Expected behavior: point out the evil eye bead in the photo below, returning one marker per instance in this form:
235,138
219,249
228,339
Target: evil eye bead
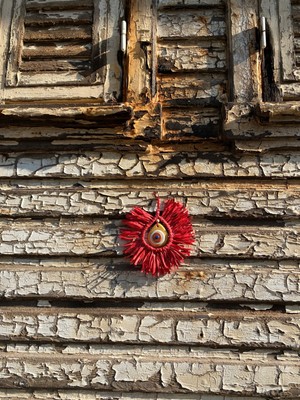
158,235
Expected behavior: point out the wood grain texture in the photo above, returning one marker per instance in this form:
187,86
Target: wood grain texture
135,369
181,58
101,395
228,281
77,322
193,3
206,200
195,23
114,325
158,164
96,236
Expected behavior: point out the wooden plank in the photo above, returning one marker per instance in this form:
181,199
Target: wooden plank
213,328
58,4
51,18
264,145
160,164
269,9
95,236
63,78
245,122
191,23
291,92
203,89
212,200
194,125
286,44
58,50
186,3
140,52
13,50
30,394
177,371
268,282
244,63
81,66
188,57
88,92
58,34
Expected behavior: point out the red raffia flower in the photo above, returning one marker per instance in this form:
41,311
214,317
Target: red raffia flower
158,242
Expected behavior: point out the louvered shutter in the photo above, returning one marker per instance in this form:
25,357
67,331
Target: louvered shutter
288,45
67,47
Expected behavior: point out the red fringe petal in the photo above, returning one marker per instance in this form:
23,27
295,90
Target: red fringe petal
158,261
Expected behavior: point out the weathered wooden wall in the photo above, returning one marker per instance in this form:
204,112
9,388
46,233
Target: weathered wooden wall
78,322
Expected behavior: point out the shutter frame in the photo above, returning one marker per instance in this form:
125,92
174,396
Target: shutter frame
102,81
290,72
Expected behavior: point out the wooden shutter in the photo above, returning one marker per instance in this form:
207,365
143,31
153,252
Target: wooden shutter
283,18
66,43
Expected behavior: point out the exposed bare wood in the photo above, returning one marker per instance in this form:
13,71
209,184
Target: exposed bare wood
244,74
59,50
58,4
192,89
82,66
197,124
50,18
58,34
140,32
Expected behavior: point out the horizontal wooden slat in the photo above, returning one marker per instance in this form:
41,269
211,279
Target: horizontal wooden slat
180,125
214,200
51,18
165,165
55,66
223,328
95,236
263,145
186,57
65,78
58,4
87,92
186,3
58,34
291,92
191,23
296,25
176,371
58,50
191,89
244,123
96,395
234,281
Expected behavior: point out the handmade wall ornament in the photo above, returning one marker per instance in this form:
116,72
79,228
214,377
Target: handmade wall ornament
160,242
